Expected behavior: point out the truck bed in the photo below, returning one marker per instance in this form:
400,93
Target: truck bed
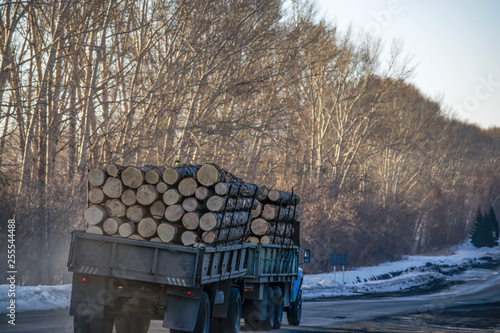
155,262
272,263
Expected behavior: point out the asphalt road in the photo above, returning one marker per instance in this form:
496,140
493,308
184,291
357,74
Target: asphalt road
470,307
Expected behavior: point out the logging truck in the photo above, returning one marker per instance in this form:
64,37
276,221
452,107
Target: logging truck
126,283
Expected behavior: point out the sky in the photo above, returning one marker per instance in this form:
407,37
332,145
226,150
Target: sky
455,45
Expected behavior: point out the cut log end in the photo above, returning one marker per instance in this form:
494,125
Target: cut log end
147,227
167,232
174,213
127,229
187,187
208,175
96,196
94,230
95,215
147,194
132,177
170,176
97,176
189,238
191,221
152,177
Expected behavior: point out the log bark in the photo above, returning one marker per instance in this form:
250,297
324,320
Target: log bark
203,193
147,227
94,230
210,221
136,213
261,227
95,214
136,237
115,208
217,203
97,176
111,225
96,196
270,213
113,187
286,198
129,197
189,237
187,187
172,197
167,232
173,175
192,204
211,174
268,239
115,170
132,177
236,190
147,194
228,234
161,187
174,213
157,209
153,175
127,229
191,221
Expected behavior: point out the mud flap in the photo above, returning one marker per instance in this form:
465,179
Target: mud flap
181,310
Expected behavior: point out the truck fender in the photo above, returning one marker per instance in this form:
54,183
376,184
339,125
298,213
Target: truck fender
181,310
296,285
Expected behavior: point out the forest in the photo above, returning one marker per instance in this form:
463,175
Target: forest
264,89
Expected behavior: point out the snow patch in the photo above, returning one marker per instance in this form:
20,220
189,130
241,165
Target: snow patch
36,298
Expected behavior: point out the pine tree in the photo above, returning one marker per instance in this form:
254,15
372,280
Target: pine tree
485,232
494,224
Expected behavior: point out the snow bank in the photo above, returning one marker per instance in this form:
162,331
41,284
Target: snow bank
411,272
31,298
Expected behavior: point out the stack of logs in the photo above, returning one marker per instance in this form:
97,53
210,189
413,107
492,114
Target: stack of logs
189,205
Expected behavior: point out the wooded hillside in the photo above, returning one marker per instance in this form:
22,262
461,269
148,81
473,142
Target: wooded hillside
271,94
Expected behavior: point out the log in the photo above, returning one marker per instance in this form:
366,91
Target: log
258,210
270,213
228,234
129,197
115,208
127,229
147,227
155,239
192,204
210,221
96,196
95,214
157,209
153,174
136,237
161,187
132,177
111,225
253,240
236,190
173,175
115,170
203,193
191,220
261,227
94,230
189,237
268,239
97,176
217,204
172,197
167,232
136,213
174,213
146,194
286,198
113,187
187,187
211,174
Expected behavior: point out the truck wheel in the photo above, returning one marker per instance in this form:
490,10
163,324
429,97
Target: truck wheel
262,309
203,320
132,324
294,313
85,325
278,307
231,324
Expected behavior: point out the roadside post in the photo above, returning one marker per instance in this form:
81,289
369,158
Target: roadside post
337,260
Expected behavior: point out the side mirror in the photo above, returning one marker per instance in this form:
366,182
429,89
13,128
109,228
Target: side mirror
307,255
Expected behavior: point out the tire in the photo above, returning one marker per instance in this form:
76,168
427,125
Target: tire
278,307
265,308
96,325
231,324
132,324
294,313
203,320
